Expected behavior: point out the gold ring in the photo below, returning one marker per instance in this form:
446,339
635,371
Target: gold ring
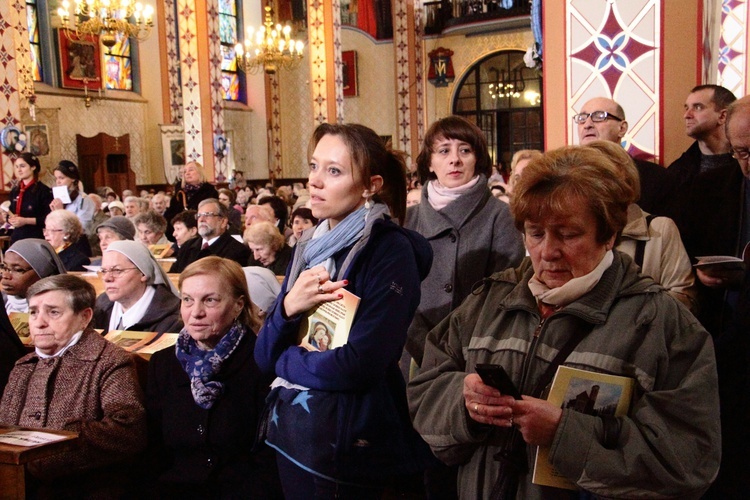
476,408
320,289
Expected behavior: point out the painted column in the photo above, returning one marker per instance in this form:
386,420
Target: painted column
407,44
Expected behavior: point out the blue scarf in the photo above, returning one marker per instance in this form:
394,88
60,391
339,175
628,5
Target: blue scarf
203,366
326,242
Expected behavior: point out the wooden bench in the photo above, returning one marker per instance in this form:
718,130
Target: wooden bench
14,458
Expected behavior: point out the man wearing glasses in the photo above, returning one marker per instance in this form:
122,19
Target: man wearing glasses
733,345
603,119
213,220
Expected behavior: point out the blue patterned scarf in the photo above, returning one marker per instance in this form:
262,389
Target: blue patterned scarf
326,242
203,366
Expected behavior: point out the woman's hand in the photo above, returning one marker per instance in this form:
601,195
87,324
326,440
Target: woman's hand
56,204
537,420
15,220
311,288
485,404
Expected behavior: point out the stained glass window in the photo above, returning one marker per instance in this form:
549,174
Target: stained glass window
35,46
118,69
230,79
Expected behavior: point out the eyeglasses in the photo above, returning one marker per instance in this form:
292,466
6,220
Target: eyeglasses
115,272
596,117
13,270
740,154
206,214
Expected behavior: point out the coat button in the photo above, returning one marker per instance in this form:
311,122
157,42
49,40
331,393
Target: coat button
201,429
453,238
209,463
448,288
38,415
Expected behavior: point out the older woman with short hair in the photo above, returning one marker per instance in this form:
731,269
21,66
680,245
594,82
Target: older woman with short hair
26,262
210,385
62,230
576,302
138,294
268,246
151,228
75,380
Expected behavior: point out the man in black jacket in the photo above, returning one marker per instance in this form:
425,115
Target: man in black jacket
604,119
213,221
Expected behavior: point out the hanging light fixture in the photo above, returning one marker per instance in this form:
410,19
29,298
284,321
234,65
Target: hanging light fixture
107,18
507,84
269,48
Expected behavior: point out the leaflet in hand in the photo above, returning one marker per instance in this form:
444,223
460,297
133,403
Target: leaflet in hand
327,326
61,193
585,392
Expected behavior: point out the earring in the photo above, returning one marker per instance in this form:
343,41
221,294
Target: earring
368,204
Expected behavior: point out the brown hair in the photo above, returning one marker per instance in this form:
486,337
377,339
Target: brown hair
552,184
370,156
32,161
458,128
624,163
232,278
79,293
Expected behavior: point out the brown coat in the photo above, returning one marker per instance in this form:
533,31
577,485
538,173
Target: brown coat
91,389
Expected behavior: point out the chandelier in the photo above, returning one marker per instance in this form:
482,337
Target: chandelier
510,84
107,18
269,48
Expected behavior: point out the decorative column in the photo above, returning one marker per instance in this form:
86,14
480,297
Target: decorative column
200,65
324,32
407,44
15,76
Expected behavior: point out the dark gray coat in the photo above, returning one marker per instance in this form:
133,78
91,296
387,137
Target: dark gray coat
471,238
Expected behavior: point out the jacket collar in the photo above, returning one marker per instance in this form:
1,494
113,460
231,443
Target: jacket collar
637,227
455,214
620,279
88,349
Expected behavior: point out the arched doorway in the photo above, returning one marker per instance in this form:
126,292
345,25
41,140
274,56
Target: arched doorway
503,97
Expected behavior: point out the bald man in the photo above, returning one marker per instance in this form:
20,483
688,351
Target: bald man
604,119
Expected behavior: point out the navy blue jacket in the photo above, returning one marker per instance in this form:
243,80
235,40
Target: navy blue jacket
357,399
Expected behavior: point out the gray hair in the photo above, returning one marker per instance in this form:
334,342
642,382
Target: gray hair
71,225
79,293
223,211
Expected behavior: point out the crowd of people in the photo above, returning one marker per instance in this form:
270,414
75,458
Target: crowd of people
580,257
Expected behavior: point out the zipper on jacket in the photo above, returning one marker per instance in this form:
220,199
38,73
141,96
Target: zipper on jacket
530,355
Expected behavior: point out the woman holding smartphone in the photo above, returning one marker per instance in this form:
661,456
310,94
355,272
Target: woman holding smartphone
338,419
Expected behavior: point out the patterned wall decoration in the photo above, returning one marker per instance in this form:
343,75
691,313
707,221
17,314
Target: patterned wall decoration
613,51
221,163
173,62
14,57
338,63
275,169
732,60
317,49
191,89
407,44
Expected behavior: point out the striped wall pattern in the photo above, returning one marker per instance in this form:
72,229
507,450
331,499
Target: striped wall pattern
732,64
191,90
173,63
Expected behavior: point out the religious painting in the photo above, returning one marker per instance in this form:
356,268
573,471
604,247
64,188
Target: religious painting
173,147
349,73
80,60
38,139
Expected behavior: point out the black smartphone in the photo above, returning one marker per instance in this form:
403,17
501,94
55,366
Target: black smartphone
496,376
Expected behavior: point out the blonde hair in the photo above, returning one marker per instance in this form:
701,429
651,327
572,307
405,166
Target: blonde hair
233,280
264,233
